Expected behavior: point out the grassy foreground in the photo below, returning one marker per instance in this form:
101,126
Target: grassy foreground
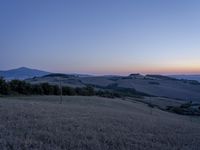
92,123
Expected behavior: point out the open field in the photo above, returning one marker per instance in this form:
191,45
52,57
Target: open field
92,123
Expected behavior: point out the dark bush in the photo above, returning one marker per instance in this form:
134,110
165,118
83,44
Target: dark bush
186,105
178,110
85,91
154,83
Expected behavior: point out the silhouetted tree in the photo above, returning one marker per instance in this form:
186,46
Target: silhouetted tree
4,88
68,91
56,90
37,89
15,87
47,89
20,87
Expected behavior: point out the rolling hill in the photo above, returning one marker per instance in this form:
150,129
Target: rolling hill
153,85
187,77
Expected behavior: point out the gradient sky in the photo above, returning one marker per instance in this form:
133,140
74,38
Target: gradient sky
101,36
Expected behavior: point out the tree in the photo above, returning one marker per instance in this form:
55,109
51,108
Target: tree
4,88
47,89
20,87
85,91
89,90
37,89
68,91
56,90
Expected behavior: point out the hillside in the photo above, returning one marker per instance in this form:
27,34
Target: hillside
154,85
187,77
89,123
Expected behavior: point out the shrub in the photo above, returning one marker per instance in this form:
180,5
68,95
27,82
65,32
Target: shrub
154,83
186,105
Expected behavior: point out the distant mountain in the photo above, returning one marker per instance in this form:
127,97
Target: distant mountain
22,73
187,77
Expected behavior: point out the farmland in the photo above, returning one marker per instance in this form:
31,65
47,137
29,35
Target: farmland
88,123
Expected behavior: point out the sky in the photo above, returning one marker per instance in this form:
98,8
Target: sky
101,36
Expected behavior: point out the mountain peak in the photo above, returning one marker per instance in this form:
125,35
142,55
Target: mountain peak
23,68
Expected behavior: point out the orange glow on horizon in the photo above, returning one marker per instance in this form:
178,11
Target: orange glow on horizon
149,70
173,68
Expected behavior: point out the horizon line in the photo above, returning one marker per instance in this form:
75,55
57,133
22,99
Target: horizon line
108,74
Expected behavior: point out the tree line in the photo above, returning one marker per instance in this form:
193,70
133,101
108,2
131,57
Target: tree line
18,87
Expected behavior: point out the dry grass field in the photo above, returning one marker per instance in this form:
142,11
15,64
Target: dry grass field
92,123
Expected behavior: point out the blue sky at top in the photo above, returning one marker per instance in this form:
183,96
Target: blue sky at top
101,36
